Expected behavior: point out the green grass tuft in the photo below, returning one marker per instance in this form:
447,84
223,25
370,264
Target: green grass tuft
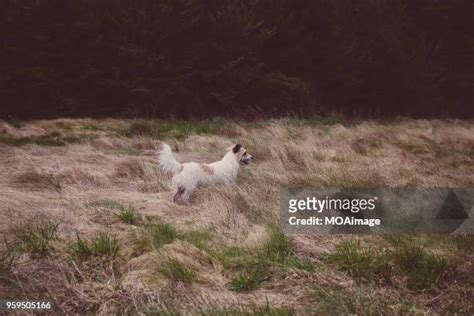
81,249
102,245
36,238
423,270
106,203
160,234
198,238
463,243
243,310
335,301
64,125
255,265
8,256
339,301
127,214
178,272
279,250
175,129
333,119
249,310
51,139
163,312
94,127
105,245
359,261
249,280
153,236
236,258
6,263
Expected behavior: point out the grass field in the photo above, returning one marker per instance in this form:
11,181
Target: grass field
86,218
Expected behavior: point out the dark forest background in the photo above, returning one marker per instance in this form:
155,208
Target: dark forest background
194,59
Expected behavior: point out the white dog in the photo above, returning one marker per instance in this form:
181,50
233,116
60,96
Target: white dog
187,176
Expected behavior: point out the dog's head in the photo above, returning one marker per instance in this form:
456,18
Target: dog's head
241,154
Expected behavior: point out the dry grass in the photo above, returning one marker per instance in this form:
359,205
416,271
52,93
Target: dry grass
106,238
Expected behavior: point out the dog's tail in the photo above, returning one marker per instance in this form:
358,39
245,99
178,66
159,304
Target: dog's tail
166,160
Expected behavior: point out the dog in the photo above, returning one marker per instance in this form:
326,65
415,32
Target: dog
188,176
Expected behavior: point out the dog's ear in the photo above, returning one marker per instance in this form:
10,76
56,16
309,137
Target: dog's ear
236,148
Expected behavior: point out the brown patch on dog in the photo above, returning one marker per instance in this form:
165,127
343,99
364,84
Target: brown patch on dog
240,153
207,170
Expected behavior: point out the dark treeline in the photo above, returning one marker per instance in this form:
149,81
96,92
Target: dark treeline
195,59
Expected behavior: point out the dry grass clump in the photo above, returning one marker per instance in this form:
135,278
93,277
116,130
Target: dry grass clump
145,143
293,158
122,247
239,201
181,262
103,143
126,213
7,129
34,179
143,174
83,177
130,168
365,146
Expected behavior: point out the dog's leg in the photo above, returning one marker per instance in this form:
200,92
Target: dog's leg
187,197
176,197
178,194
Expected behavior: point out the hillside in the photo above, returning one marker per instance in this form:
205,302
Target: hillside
87,219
